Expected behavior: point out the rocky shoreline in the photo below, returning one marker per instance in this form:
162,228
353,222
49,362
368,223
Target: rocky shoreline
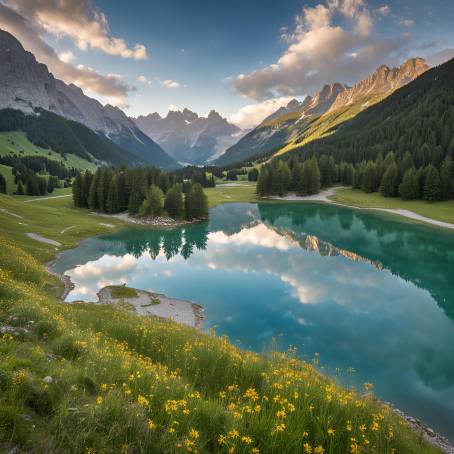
157,221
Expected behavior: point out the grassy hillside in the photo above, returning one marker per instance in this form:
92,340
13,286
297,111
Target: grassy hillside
89,378
16,143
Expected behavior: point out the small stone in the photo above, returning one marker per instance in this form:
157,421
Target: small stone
48,379
26,418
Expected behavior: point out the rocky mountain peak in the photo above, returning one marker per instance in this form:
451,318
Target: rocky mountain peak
383,80
189,115
293,104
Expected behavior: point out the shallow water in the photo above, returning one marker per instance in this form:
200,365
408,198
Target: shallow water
365,290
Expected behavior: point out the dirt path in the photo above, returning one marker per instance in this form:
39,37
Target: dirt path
43,239
323,196
47,198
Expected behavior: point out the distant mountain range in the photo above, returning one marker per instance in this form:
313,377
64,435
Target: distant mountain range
300,122
189,138
27,85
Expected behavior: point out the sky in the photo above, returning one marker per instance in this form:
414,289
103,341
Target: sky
242,58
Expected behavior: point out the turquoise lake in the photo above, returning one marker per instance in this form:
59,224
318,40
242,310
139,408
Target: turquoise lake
363,289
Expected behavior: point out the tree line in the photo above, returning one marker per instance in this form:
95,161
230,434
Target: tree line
389,175
145,192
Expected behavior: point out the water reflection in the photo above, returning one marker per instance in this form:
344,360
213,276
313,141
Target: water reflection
360,288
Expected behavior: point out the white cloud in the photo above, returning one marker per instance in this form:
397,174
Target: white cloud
79,20
253,114
319,50
169,83
31,35
383,10
407,23
142,79
67,56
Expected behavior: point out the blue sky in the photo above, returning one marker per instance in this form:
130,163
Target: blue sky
242,58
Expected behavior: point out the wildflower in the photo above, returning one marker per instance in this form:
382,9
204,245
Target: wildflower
354,448
246,440
349,426
278,428
305,434
99,400
194,434
233,434
281,414
103,387
319,450
142,401
307,448
251,393
151,424
255,450
222,440
291,407
331,431
362,427
375,426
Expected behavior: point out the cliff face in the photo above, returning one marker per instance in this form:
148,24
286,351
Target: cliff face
382,81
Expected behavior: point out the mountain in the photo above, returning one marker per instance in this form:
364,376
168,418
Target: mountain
418,118
383,80
295,125
26,85
280,127
189,138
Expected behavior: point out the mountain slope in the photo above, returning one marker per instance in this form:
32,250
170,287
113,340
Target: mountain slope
280,129
26,85
188,137
50,131
319,115
418,117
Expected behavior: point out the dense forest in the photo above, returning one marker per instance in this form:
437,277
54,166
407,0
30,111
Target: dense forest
402,146
48,130
388,175
145,192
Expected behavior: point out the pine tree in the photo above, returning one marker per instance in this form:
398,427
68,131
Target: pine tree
446,178
298,178
263,182
87,178
77,191
406,163
2,184
282,178
136,194
174,203
122,191
196,203
112,196
153,204
103,188
390,181
409,188
369,183
93,192
312,176
432,186
20,188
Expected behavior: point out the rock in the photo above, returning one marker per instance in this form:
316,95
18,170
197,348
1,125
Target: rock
48,379
26,418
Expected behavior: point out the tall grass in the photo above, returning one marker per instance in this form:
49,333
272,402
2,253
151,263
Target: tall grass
86,378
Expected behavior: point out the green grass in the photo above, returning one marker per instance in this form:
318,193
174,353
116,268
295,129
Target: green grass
121,383
121,291
440,211
8,174
17,143
221,194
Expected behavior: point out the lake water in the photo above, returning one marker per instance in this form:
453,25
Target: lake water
364,290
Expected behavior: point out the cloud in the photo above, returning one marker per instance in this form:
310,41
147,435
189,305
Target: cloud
407,23
320,49
80,21
253,114
383,10
169,83
67,56
142,79
31,35
440,57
